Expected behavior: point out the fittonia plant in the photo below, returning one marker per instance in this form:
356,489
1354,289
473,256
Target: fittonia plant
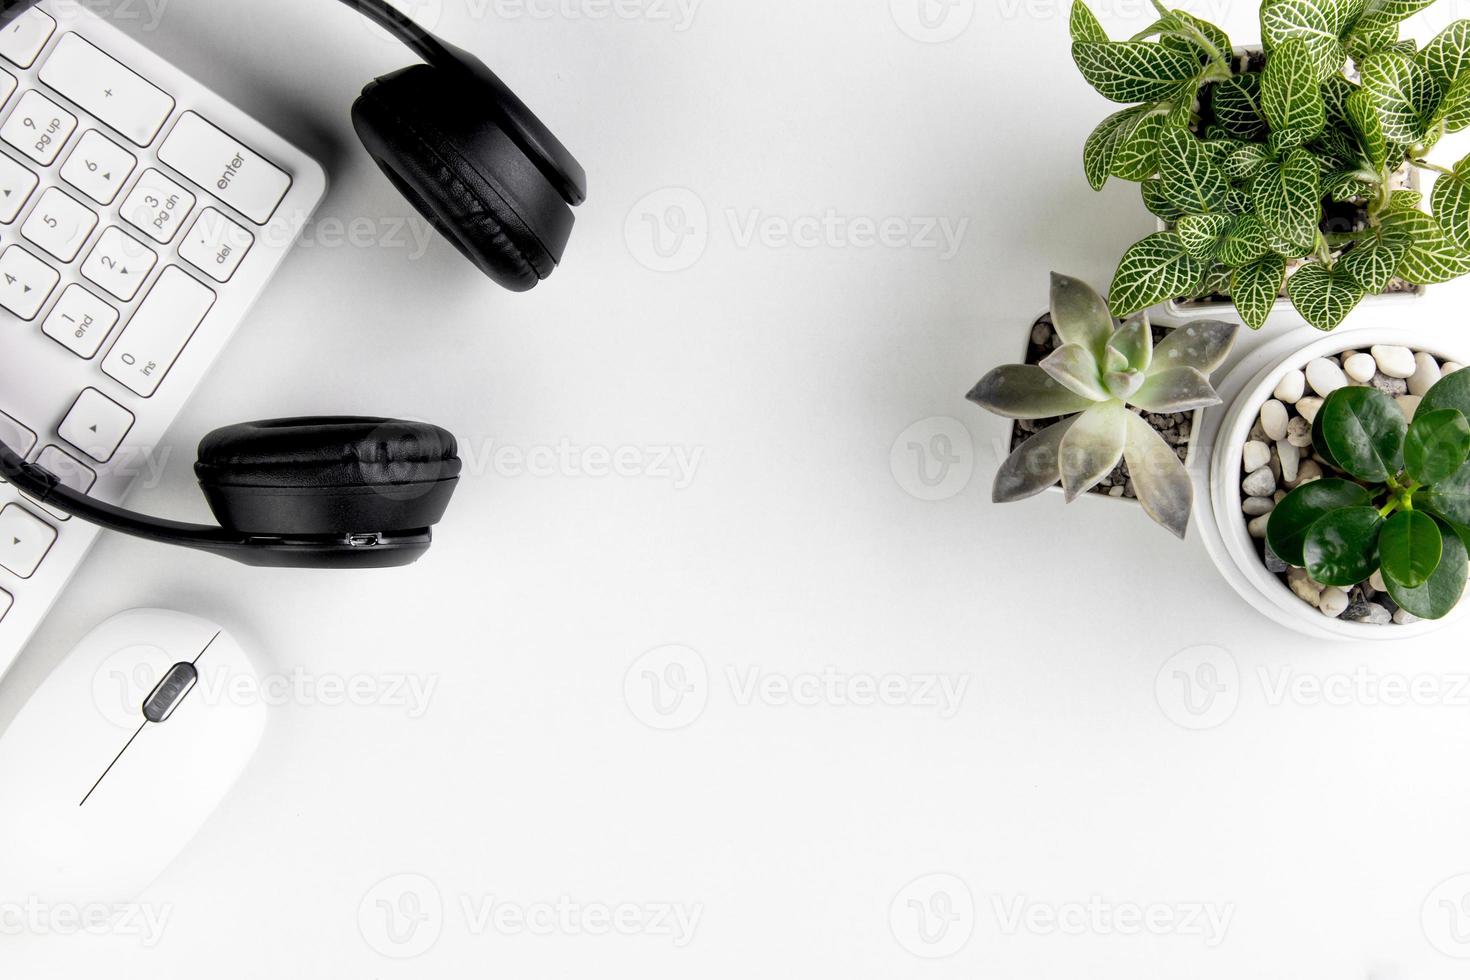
1101,373
1246,165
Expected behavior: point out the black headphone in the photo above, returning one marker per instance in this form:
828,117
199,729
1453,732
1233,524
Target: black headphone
359,492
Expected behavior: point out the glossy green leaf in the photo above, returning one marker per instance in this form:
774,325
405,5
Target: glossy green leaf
1255,288
1364,431
1437,445
1341,548
1286,531
1156,269
1134,71
1409,548
1449,498
1324,297
1439,596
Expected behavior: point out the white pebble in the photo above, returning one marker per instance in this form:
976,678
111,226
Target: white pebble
1405,618
1292,387
1256,506
1334,602
1299,432
1408,404
1257,527
1261,483
1376,581
1256,455
1396,362
1309,470
1450,367
1291,458
1301,583
1274,419
1360,367
1426,374
1325,377
1309,407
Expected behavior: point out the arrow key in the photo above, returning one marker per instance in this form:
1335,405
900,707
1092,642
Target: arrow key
98,167
16,185
96,425
24,540
25,282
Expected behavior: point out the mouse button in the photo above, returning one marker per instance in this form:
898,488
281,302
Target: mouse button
170,692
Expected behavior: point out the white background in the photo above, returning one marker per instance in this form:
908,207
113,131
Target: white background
798,833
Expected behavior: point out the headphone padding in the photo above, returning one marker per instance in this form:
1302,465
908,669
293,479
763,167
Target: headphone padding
448,154
313,476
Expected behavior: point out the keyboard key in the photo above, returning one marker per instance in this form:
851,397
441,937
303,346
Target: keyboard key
16,185
25,282
6,601
96,425
7,85
23,40
156,336
59,224
20,439
225,167
71,471
38,127
158,206
103,86
80,322
24,540
216,245
98,167
119,263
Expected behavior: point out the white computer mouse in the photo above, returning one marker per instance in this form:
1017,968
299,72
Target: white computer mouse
122,754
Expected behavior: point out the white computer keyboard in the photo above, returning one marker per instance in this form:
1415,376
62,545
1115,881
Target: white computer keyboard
140,217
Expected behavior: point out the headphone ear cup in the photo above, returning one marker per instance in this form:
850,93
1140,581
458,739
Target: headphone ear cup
328,476
449,154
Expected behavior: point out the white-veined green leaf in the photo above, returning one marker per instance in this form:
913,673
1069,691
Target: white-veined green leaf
1320,24
1086,28
1157,204
1372,263
1202,233
1102,145
1255,288
1403,94
1155,269
1245,241
1236,104
1451,202
1288,198
1388,12
1137,154
1245,162
1335,93
1134,71
1291,95
1324,297
1191,179
1431,257
1369,127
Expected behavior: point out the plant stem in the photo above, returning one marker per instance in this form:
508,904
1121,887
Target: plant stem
1426,165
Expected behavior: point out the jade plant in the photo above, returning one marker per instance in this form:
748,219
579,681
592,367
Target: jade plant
1095,383
1401,504
1297,160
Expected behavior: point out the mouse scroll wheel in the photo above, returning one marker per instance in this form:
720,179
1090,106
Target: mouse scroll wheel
170,692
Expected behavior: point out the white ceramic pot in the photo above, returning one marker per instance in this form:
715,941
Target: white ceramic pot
1218,495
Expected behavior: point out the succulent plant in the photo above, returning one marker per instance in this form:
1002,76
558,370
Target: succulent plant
1300,161
1101,373
1401,505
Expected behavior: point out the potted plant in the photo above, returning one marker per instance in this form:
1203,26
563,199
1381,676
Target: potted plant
1340,485
1287,171
1105,405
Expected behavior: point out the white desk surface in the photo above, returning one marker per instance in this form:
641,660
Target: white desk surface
1075,828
